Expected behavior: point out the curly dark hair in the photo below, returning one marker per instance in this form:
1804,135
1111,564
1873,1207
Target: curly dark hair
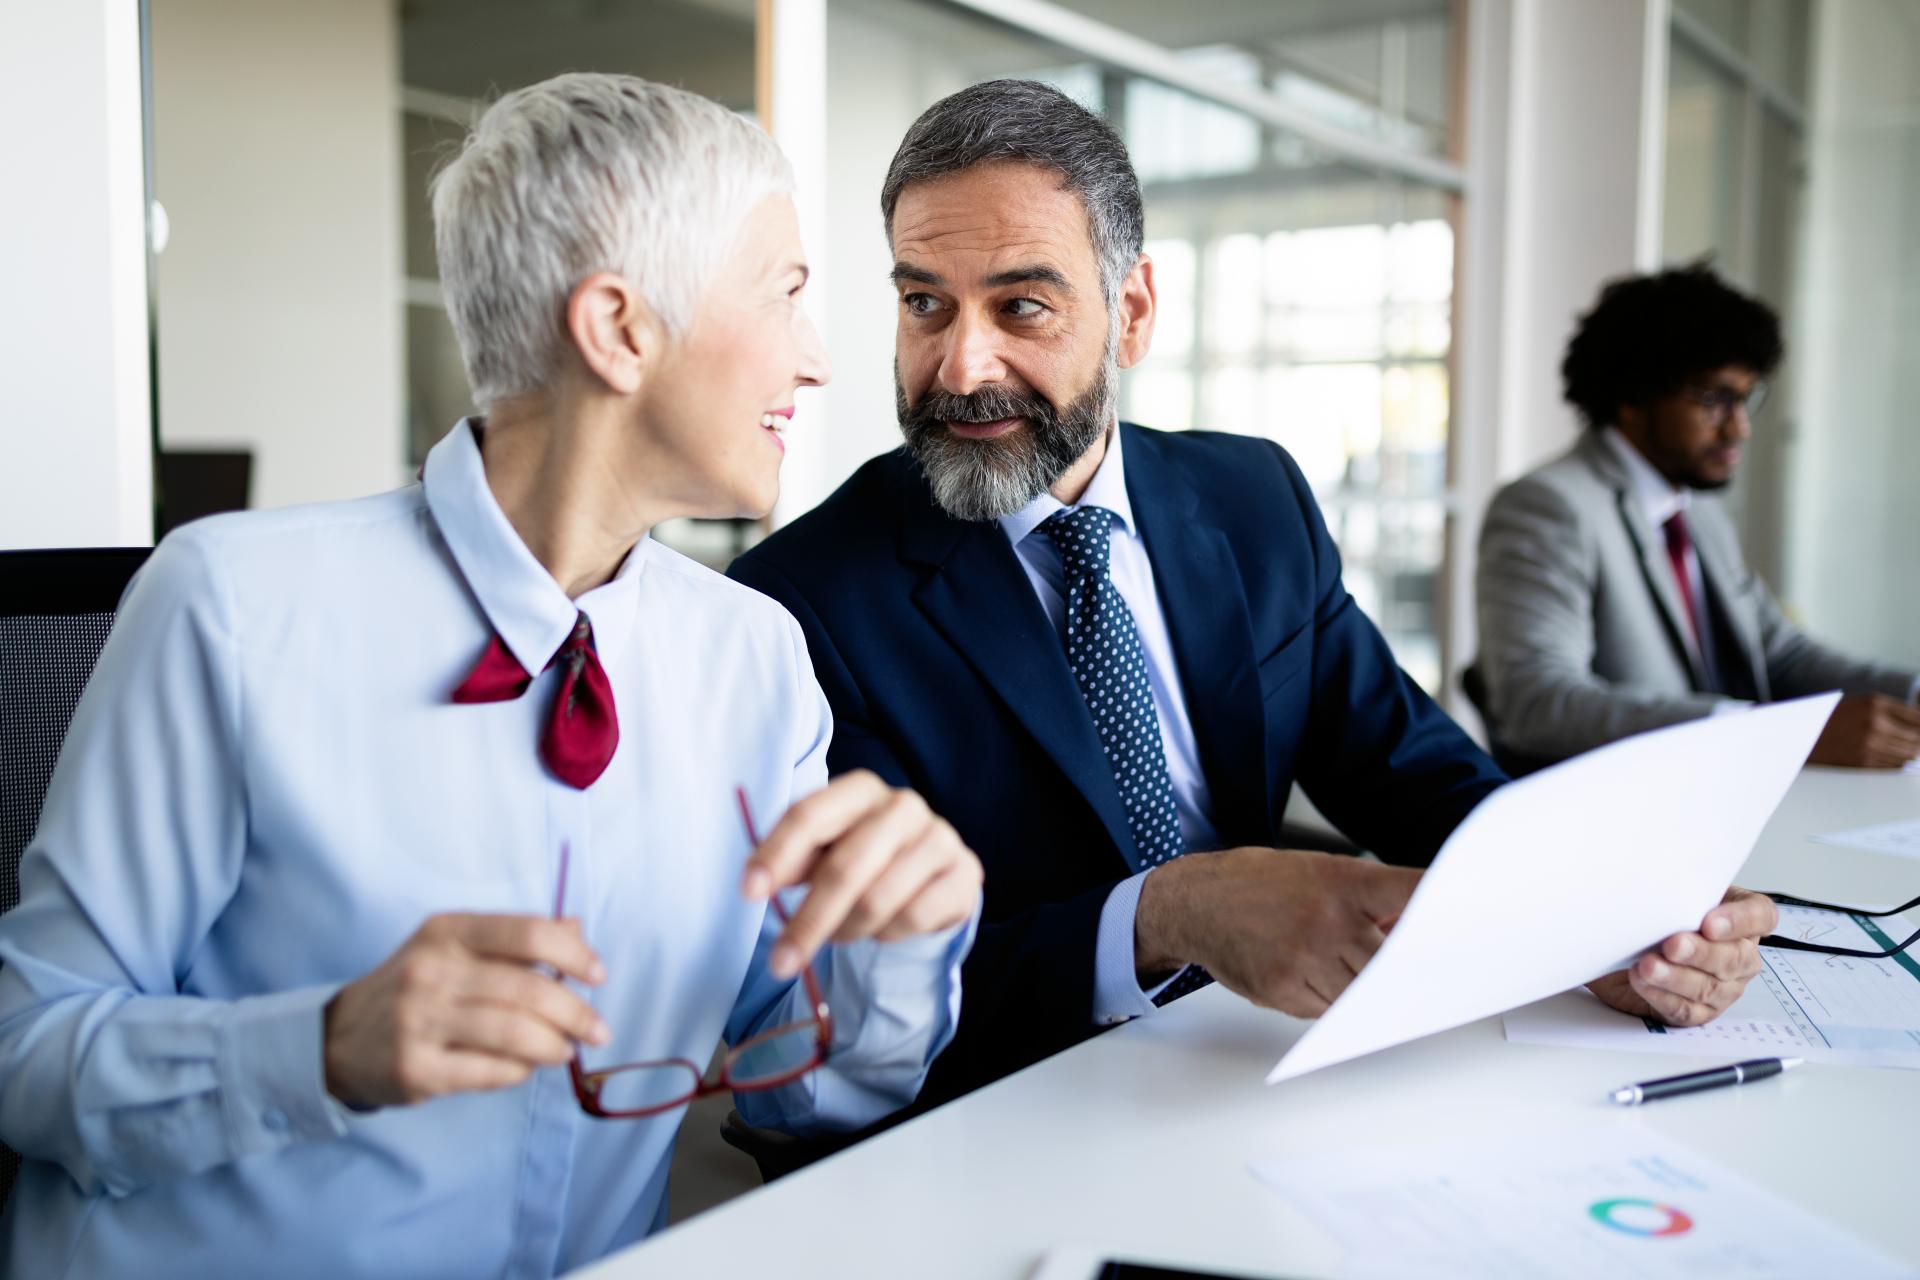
1648,336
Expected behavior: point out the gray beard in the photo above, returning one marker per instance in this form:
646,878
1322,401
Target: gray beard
977,480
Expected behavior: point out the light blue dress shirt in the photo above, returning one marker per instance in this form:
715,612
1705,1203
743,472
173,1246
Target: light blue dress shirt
266,790
1117,994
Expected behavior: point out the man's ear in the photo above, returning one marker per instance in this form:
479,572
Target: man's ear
1139,304
1630,418
614,332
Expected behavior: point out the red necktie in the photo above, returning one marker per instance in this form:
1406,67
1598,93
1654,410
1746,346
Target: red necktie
1679,542
582,731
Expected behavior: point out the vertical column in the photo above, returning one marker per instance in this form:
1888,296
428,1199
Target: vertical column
1565,107
76,437
1853,520
793,36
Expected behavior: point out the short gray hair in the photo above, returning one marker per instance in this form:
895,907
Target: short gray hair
1027,121
579,174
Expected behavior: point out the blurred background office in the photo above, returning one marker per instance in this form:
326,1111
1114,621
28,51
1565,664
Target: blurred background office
1373,220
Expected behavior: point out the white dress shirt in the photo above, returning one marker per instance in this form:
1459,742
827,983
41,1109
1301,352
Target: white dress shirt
1117,994
266,789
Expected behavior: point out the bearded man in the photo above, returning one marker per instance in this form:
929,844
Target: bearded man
1105,653
1613,597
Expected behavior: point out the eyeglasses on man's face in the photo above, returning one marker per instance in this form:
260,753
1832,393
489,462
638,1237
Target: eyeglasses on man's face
775,1057
1718,403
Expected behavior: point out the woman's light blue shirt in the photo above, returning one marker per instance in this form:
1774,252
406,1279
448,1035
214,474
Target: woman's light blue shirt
266,790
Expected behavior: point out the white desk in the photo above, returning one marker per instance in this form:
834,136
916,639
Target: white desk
1138,1142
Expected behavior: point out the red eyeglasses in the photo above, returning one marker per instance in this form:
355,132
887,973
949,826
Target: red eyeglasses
773,1058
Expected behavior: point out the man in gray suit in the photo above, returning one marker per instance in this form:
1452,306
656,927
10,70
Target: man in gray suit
1613,597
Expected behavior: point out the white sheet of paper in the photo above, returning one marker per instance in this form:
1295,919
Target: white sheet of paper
1568,873
1598,1203
1842,1009
1902,838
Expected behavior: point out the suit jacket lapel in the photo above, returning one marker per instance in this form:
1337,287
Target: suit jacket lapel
979,597
1652,546
1205,601
1717,570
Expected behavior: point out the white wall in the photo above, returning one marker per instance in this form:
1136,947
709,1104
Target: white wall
879,78
75,440
1853,539
1565,110
277,156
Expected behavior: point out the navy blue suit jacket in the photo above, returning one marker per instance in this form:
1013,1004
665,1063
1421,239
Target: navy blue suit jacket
946,676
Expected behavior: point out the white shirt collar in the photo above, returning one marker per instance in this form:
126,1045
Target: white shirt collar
520,598
1108,489
1657,497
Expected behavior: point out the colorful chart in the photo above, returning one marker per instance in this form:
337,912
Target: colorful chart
1636,1217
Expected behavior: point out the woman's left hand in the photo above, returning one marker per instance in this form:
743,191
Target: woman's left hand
879,863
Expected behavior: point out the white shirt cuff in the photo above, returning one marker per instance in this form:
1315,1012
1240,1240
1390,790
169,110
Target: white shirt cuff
1116,988
1726,705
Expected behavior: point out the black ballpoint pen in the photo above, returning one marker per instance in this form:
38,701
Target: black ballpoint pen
1632,1095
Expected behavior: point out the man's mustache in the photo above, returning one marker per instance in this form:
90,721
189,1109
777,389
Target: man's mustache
991,403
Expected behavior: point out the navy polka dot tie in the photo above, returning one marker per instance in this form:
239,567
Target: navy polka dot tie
1103,648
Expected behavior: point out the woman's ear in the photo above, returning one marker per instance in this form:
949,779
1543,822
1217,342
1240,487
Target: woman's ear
1138,305
614,331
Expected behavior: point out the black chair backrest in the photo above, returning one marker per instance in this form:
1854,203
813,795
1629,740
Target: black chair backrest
1474,682
56,608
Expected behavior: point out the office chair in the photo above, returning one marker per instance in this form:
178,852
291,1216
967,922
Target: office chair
1513,763
778,1154
56,608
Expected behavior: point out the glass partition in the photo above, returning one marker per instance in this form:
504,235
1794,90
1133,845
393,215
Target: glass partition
1303,298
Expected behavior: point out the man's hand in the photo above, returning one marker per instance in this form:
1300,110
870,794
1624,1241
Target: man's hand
1286,928
460,1007
1692,978
1869,731
880,864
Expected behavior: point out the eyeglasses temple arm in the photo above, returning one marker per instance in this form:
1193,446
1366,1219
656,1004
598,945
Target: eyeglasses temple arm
1821,949
1789,900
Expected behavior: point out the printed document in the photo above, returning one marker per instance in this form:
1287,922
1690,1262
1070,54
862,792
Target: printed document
1598,1203
1568,874
1900,838
1863,1013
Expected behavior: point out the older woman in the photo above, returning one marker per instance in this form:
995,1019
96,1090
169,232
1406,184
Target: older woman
386,827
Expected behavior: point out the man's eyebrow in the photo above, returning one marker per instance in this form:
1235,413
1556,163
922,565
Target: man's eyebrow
903,274
1037,274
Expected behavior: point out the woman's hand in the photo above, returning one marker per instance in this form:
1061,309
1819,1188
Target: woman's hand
880,864
460,1007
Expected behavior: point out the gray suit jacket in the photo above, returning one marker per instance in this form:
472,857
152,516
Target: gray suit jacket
1580,619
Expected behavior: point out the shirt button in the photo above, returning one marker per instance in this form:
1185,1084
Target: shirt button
274,1119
